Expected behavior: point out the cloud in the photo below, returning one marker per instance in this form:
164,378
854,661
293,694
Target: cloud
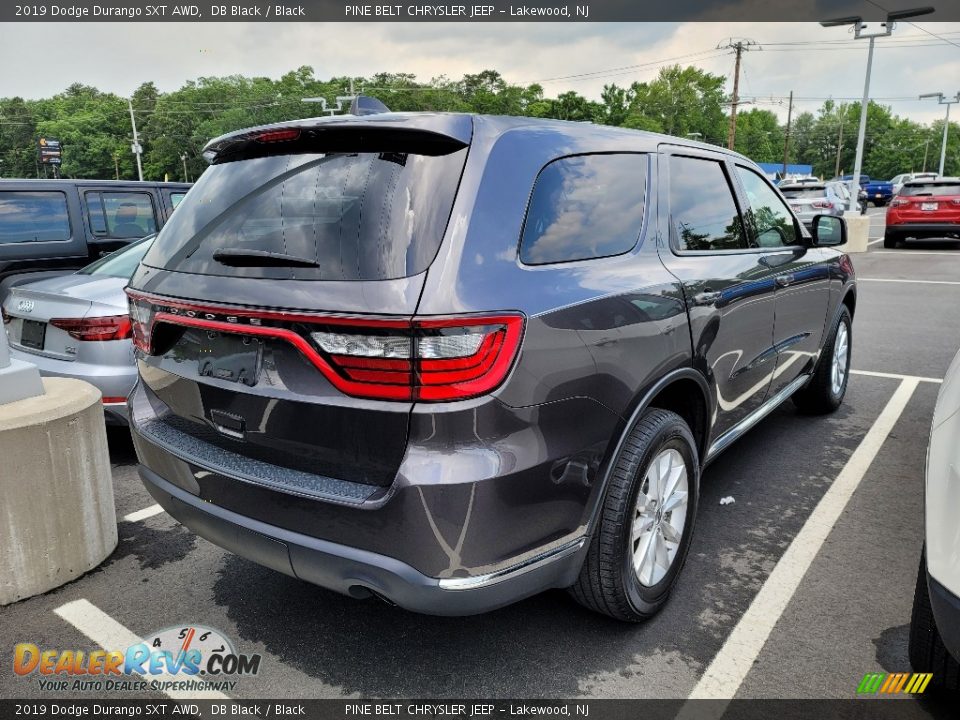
119,56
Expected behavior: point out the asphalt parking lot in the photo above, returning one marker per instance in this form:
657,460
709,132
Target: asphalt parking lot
777,599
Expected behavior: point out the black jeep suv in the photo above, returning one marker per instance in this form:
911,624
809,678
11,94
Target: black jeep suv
455,360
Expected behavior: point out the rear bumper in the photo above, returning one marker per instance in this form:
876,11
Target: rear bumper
923,230
946,612
113,381
360,573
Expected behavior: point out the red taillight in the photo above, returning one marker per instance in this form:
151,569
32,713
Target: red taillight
425,359
277,135
899,202
97,329
825,204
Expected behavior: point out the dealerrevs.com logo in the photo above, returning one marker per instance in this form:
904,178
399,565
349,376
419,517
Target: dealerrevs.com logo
193,658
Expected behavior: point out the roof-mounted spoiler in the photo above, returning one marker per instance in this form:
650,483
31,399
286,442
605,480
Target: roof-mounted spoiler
368,129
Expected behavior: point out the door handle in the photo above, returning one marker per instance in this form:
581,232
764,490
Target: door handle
784,280
707,297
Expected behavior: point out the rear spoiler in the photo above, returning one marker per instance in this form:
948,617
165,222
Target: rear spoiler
415,133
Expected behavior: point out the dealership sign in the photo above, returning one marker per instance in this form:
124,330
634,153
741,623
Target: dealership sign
50,151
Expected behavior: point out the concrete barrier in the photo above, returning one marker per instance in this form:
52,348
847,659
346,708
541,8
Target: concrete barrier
57,517
858,233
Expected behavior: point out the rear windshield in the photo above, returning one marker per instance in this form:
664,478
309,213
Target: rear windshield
806,192
932,189
122,263
358,216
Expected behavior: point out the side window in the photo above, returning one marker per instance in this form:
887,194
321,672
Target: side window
772,220
121,214
584,207
33,217
175,199
703,213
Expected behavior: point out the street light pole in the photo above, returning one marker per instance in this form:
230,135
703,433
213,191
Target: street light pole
859,27
946,123
861,133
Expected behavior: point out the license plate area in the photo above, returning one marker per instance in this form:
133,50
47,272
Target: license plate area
928,206
234,358
32,334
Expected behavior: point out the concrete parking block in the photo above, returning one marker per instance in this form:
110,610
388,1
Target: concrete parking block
57,518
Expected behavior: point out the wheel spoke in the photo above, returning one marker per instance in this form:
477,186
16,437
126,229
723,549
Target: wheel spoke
662,557
641,525
675,501
670,533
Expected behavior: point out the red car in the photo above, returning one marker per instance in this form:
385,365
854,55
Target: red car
927,208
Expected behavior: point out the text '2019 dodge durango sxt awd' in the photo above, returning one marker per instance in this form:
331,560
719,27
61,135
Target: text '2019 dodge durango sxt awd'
455,360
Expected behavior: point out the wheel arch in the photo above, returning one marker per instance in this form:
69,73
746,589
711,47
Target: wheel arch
684,391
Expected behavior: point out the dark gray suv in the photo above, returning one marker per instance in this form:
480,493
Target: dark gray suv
452,360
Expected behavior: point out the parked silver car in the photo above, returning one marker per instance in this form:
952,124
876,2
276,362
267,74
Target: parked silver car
77,326
809,199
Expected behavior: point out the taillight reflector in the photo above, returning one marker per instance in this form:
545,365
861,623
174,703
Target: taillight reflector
96,329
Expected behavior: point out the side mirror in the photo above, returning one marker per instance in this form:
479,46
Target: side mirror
829,230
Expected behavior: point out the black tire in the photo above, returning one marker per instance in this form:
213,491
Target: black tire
608,583
927,651
818,396
890,241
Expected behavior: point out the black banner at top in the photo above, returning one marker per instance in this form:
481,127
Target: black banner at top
465,11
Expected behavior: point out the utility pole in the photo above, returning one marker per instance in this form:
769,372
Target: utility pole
738,47
786,137
183,159
136,141
116,166
843,115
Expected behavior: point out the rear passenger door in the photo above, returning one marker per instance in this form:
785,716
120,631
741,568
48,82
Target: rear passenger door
116,217
727,283
802,277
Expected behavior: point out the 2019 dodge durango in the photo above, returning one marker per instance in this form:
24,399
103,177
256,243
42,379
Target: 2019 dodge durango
453,360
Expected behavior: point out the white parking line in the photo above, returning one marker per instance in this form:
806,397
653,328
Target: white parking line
143,514
918,252
895,376
729,668
111,635
905,280
874,242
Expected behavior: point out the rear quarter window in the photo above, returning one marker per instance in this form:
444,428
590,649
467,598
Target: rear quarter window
585,207
358,216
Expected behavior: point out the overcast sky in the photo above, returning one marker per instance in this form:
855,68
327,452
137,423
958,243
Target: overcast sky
118,57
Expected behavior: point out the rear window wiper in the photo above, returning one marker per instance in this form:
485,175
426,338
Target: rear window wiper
260,258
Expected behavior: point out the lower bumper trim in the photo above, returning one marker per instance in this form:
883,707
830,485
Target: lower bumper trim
356,572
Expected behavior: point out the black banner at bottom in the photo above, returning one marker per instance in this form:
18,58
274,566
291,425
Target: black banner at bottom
872,708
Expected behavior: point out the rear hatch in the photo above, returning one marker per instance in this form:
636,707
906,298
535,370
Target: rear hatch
931,202
43,317
273,313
